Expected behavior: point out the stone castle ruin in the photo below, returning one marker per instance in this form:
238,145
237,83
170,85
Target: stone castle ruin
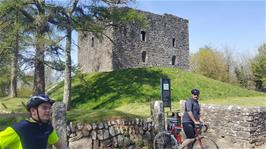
164,42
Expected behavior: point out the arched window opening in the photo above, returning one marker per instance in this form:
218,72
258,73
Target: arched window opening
173,60
143,56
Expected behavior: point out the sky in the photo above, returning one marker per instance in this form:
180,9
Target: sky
237,25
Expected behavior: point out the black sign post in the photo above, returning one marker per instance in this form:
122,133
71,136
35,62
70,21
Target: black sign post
166,92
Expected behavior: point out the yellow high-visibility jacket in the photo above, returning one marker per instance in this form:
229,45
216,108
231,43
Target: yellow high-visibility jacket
10,138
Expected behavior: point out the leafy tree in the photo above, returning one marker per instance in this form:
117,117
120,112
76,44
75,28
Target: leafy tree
258,66
40,15
13,38
4,71
241,76
230,65
64,22
93,18
243,72
209,63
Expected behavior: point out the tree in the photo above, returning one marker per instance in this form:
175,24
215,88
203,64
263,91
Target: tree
209,63
243,72
4,71
241,76
12,36
229,61
66,23
27,9
258,66
88,18
41,15
7,43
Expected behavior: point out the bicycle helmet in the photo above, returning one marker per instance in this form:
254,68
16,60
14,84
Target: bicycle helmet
38,99
195,92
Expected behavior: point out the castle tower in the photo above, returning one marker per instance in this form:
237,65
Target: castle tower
164,42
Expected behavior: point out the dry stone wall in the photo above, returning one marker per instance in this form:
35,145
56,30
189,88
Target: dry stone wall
245,126
241,125
128,133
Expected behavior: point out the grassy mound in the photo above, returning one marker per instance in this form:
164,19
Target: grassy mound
131,91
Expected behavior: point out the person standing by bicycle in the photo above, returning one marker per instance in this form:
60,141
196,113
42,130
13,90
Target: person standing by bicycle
191,117
36,132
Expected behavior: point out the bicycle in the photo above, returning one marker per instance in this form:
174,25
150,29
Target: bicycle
171,138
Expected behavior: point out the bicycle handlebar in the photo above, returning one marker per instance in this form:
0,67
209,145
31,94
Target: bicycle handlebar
201,125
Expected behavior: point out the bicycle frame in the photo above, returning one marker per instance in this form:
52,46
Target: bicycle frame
173,133
176,134
179,138
198,137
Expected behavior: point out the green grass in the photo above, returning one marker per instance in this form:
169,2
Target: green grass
129,92
241,101
12,104
113,89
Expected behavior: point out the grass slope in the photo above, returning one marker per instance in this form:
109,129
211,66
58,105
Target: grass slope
12,104
131,90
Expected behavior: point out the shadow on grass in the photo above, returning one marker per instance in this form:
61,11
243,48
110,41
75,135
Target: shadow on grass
114,85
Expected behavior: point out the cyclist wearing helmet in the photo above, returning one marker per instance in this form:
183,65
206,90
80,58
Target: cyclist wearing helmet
36,132
191,117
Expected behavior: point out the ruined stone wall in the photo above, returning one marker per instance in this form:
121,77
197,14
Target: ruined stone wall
245,126
166,44
95,54
158,43
241,125
134,133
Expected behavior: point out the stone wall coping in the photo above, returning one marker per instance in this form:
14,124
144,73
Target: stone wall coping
230,107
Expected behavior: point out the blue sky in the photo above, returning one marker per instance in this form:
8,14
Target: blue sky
238,25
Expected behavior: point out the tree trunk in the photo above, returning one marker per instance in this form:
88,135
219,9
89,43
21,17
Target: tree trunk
39,80
67,82
39,76
14,64
14,67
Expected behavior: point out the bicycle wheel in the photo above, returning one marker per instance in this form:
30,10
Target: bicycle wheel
204,143
164,140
